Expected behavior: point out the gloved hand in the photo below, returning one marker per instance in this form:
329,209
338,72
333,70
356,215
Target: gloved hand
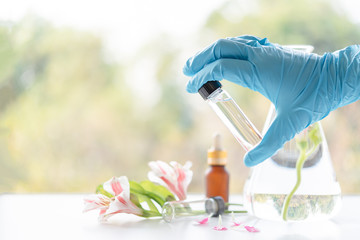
304,87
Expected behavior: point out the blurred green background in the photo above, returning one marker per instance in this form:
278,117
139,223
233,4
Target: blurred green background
74,113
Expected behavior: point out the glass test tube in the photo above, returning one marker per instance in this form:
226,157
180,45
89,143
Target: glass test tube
177,209
231,114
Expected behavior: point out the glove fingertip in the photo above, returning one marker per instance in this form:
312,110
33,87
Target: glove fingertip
188,69
251,160
190,88
268,146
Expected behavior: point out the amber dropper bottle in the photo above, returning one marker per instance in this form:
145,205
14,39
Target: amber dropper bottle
217,177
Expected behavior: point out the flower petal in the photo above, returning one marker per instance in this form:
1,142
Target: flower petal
164,180
203,221
251,229
236,224
103,217
174,176
122,204
184,176
96,201
161,168
154,178
220,228
115,185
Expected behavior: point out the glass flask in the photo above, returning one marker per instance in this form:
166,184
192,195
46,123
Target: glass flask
273,189
270,193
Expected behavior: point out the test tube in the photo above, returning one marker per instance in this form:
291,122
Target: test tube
213,207
230,114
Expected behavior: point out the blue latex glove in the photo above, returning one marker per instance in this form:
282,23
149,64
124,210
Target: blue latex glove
304,87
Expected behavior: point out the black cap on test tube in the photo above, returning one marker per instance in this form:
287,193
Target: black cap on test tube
220,206
208,88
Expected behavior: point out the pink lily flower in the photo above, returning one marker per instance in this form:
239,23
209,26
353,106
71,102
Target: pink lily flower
174,176
120,203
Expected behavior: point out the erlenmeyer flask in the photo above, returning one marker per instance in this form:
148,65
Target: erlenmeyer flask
318,195
273,190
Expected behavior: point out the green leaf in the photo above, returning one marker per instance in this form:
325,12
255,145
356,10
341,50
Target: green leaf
137,199
100,190
139,195
302,144
136,188
145,198
147,214
157,192
314,135
134,199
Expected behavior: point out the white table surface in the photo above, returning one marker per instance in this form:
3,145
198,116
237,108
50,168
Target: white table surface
59,216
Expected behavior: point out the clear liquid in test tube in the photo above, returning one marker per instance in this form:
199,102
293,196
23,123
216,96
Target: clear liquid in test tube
230,114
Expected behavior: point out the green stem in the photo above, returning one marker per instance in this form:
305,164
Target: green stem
149,214
234,204
299,165
228,211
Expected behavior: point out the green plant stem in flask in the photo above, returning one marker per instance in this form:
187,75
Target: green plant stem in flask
298,183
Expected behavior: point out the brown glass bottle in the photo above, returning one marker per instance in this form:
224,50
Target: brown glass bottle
217,177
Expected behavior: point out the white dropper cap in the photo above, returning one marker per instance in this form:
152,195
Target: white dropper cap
216,154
